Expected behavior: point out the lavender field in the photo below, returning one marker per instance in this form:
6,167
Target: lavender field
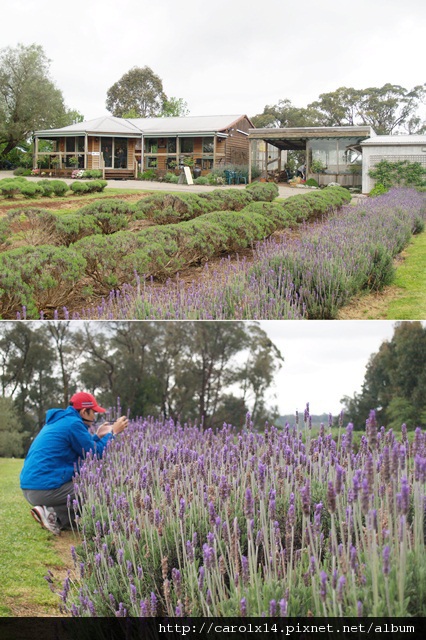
182,521
308,277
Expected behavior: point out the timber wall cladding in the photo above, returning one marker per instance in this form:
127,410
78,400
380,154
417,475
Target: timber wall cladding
237,151
131,153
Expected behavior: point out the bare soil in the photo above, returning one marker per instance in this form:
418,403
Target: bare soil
67,203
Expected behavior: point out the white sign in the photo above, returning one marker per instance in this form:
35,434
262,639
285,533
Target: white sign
94,153
188,175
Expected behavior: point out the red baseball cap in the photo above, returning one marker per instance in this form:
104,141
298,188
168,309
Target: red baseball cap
83,400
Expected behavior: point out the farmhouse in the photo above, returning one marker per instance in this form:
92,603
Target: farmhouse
393,149
119,147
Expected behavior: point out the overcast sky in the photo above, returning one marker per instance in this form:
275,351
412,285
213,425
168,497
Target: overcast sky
323,360
222,57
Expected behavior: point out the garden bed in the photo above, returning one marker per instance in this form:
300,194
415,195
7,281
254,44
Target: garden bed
239,524
93,250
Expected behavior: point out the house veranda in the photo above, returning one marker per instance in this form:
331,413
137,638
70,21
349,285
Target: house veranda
121,147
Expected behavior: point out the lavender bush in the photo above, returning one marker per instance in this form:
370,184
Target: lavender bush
180,521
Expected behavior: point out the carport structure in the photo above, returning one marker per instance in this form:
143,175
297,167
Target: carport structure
338,149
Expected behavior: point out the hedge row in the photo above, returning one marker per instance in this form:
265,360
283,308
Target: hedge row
170,208
10,187
47,277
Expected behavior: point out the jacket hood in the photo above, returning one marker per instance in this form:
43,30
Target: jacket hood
53,415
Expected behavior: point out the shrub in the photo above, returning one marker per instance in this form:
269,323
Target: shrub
263,190
79,188
22,171
4,232
96,186
10,187
31,190
149,174
94,174
59,187
71,227
39,278
170,177
378,190
224,199
104,257
311,182
201,180
46,187
33,226
109,216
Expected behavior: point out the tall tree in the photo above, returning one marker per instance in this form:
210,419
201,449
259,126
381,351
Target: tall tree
285,114
391,108
68,350
139,91
29,99
28,372
12,436
388,109
395,380
174,107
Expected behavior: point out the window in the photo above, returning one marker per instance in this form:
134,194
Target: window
187,145
208,145
171,145
151,145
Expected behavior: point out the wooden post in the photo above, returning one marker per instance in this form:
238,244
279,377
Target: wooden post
86,150
266,159
214,150
35,152
142,154
250,160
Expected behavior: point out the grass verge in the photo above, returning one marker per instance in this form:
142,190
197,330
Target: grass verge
27,551
410,279
405,299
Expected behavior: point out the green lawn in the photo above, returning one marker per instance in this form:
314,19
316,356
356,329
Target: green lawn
411,281
27,551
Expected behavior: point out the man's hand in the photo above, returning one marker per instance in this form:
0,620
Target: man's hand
120,424
105,427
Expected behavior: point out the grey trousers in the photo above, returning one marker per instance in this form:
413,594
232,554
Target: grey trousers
56,500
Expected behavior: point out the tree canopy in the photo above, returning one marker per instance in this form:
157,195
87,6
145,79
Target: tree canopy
395,381
139,94
388,109
210,372
29,99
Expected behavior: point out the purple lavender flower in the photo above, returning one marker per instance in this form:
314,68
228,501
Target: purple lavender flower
323,586
386,560
248,504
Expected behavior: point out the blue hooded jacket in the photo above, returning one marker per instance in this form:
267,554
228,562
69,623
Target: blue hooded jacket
61,444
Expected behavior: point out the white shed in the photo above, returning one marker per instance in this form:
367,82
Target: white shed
392,149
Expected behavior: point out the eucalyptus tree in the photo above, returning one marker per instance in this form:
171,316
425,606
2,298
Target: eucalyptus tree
139,91
394,381
29,99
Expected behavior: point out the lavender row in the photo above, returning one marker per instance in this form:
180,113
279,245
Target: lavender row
308,277
181,521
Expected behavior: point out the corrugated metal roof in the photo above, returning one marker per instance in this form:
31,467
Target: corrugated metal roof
395,140
138,126
187,124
